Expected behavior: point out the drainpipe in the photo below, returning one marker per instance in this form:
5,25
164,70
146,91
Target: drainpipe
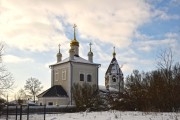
71,68
98,76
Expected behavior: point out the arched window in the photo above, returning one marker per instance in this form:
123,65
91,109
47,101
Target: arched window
56,75
64,75
114,78
81,77
88,78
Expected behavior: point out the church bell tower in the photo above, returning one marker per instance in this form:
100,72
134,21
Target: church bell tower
114,76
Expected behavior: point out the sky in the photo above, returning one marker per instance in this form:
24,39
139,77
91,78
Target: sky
139,29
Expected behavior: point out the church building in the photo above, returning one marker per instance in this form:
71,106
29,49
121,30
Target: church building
66,72
114,79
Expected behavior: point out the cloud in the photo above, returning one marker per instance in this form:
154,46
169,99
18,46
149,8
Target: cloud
147,43
163,15
42,24
172,35
16,59
128,68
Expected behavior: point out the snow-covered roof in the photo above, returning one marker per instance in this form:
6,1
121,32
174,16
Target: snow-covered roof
76,59
114,67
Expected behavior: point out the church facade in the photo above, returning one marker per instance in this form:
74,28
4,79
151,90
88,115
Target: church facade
67,72
114,79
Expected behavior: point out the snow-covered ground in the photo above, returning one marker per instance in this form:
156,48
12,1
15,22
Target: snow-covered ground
108,115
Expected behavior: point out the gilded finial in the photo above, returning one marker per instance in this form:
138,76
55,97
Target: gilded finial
74,42
114,53
74,31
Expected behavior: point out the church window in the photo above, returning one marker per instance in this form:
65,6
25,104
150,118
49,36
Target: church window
50,103
89,78
81,77
64,75
114,78
56,75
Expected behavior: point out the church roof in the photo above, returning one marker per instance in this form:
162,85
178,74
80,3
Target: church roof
77,59
54,91
114,67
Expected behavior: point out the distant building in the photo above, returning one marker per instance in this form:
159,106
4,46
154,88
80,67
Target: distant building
114,76
65,73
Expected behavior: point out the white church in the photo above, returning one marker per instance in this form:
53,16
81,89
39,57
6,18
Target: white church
76,69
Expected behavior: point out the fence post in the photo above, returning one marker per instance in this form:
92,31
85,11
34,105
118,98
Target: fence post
44,112
20,112
7,112
16,112
28,112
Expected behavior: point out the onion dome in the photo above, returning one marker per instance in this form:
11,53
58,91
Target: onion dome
59,55
74,42
90,53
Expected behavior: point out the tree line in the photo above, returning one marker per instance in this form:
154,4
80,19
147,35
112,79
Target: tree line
156,90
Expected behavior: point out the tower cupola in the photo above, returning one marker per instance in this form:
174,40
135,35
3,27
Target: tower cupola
114,76
74,44
59,55
90,54
114,53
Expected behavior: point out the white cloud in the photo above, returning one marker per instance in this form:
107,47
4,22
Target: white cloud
16,59
128,68
147,43
172,35
32,24
163,15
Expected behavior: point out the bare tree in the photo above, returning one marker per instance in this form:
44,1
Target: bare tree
165,59
33,87
6,79
165,64
22,94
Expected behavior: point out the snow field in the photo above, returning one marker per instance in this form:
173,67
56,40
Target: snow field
107,115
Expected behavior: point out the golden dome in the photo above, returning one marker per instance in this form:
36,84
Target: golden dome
74,43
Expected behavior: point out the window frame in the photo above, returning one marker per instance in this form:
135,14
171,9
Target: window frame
80,77
50,104
63,74
88,78
56,75
114,78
